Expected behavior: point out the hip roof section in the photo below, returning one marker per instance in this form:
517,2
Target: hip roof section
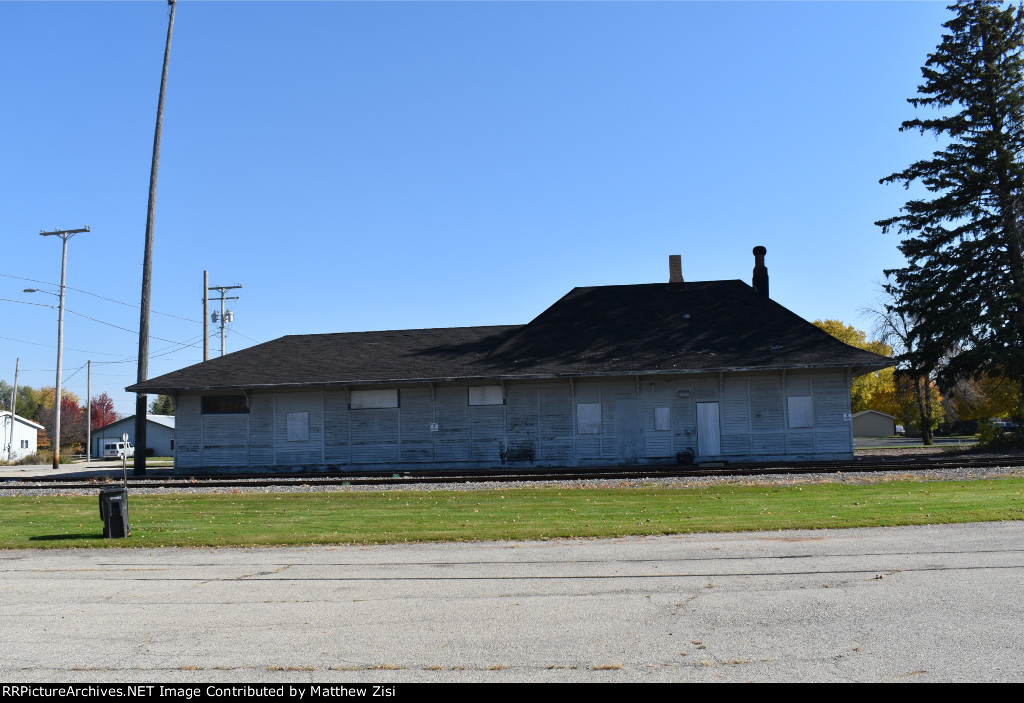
694,327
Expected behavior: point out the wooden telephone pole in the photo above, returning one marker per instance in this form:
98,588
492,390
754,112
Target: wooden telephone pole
139,464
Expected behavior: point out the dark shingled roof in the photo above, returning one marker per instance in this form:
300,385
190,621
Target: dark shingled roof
604,330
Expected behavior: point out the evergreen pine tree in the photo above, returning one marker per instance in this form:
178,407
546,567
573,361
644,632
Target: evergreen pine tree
161,405
964,280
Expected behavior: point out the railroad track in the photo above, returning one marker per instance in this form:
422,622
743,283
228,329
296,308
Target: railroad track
327,478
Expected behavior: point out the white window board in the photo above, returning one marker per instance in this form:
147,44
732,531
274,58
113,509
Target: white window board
588,418
298,426
801,410
485,395
387,398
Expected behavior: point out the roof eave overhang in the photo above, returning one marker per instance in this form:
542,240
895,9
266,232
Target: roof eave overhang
855,370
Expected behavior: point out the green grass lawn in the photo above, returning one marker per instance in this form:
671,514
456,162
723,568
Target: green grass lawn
249,519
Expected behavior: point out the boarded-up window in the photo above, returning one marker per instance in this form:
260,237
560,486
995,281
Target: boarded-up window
588,418
375,399
801,411
662,419
298,426
485,395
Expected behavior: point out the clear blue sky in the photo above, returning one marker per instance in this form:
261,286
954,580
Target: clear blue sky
391,165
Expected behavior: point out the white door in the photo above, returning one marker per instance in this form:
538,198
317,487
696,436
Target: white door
709,439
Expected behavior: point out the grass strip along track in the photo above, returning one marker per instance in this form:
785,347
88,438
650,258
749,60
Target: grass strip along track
339,517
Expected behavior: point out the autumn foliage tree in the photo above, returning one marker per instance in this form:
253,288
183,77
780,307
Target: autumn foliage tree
102,411
72,419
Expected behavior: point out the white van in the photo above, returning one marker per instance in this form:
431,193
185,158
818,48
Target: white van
118,449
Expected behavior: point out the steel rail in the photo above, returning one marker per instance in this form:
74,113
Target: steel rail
412,478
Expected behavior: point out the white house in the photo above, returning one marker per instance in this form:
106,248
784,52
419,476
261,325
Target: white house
20,436
608,375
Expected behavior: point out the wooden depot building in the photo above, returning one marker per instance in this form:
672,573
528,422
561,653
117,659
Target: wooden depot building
608,375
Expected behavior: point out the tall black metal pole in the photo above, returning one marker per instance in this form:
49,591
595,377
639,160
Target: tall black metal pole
139,464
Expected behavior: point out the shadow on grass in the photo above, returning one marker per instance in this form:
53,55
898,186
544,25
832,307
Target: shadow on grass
50,538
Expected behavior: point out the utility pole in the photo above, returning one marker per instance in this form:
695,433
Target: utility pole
139,463
14,406
65,235
225,315
206,312
88,413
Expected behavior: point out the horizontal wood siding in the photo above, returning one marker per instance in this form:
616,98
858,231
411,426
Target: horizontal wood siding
261,429
336,429
452,441
800,442
188,432
417,413
735,416
375,435
539,423
766,404
657,394
735,445
225,440
556,422
612,391
308,451
705,389
488,432
522,428
831,401
768,444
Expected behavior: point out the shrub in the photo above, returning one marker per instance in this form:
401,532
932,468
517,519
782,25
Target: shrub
42,456
992,435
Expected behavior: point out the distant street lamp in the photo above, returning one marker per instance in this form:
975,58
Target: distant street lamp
65,235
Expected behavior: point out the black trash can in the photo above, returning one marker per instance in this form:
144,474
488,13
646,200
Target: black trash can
114,512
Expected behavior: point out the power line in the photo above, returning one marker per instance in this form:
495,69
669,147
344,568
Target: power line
54,346
176,347
87,317
68,378
95,295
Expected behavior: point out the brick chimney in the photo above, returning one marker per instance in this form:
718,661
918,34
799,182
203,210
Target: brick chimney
675,271
760,280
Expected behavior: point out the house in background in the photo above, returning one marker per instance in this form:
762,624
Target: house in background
20,436
871,423
159,434
608,375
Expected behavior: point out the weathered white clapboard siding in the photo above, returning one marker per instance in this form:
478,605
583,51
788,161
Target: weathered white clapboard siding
627,420
417,441
225,440
261,430
555,422
487,425
522,433
375,435
188,431
336,427
298,452
453,439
